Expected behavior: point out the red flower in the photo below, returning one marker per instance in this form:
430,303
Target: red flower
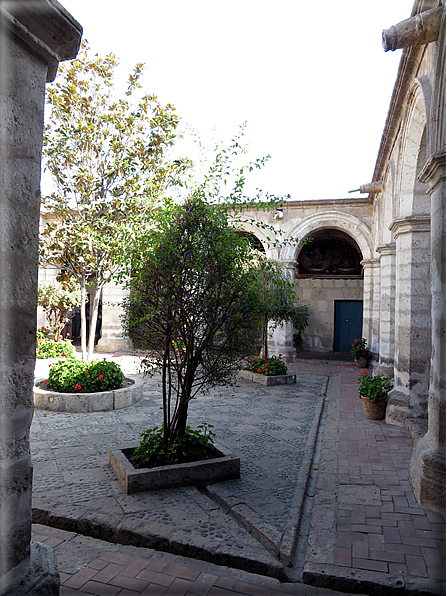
264,357
86,371
256,353
45,382
366,348
280,356
252,360
364,372
104,358
259,370
282,362
49,366
266,364
64,355
101,376
78,387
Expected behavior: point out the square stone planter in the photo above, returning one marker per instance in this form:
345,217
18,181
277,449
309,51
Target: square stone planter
288,379
225,466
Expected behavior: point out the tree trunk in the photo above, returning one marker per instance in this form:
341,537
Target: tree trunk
94,303
83,319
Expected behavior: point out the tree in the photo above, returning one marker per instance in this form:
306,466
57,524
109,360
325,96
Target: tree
109,164
56,300
193,304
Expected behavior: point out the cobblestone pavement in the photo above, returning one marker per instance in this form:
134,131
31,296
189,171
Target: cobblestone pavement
249,523
366,532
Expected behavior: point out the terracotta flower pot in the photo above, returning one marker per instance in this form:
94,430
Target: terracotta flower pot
374,410
361,361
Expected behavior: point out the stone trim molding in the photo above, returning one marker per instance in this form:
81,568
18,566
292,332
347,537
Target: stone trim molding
411,224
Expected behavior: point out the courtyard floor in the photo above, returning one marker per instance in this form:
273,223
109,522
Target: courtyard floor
324,498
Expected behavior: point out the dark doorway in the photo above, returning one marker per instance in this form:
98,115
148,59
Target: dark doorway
348,323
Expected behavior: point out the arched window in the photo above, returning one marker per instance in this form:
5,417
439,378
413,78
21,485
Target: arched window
252,239
331,253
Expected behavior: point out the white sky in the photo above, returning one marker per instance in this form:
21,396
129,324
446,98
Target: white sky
310,77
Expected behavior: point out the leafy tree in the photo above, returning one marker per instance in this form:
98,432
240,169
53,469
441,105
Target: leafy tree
193,304
109,164
56,300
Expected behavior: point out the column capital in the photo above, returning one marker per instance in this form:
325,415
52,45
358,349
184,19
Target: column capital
433,173
386,249
370,263
46,28
410,224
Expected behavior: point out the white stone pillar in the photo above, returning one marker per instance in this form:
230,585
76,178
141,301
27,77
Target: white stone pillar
412,320
387,298
280,338
428,461
370,304
32,41
112,337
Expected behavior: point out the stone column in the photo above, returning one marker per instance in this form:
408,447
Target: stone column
387,298
280,340
32,42
370,304
112,338
412,320
428,461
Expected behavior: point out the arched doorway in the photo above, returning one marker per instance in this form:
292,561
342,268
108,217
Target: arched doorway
330,278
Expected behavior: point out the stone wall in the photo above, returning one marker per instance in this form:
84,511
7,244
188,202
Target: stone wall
31,45
320,295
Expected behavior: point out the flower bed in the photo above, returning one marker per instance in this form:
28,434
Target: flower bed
100,401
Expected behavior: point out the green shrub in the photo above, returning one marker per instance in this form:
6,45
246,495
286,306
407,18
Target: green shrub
196,445
374,388
52,349
72,375
269,367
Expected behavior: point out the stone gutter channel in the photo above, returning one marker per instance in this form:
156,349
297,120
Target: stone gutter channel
256,544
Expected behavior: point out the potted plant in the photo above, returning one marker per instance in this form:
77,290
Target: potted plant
373,392
360,352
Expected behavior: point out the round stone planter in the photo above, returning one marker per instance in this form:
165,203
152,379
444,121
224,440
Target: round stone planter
82,403
374,410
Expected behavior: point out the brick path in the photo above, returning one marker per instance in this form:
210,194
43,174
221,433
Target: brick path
395,537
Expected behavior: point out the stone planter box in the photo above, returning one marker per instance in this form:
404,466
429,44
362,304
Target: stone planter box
288,379
82,403
225,466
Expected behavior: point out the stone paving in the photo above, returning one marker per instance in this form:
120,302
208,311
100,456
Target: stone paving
249,523
366,532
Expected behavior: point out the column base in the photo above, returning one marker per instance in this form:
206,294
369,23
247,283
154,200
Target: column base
109,345
427,476
41,578
397,408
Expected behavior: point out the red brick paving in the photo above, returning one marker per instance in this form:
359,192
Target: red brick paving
397,537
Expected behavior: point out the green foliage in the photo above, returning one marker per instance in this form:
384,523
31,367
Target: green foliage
72,375
42,332
56,300
108,161
374,388
196,445
269,367
49,348
359,348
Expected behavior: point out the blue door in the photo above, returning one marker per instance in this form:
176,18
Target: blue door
348,323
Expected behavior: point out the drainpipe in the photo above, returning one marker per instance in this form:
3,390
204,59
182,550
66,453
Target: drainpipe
371,187
421,29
